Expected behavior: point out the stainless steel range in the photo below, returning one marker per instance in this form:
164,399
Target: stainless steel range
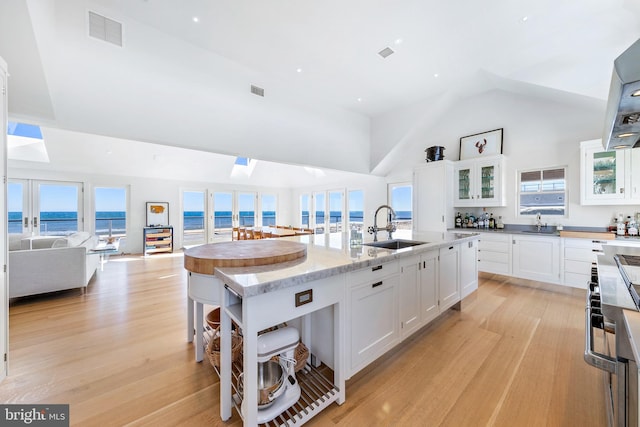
611,296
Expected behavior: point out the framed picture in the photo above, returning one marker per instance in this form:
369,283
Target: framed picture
157,214
481,144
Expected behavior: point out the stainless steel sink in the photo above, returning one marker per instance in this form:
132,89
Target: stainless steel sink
539,232
395,244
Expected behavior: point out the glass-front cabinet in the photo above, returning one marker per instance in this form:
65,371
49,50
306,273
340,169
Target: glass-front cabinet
606,176
479,182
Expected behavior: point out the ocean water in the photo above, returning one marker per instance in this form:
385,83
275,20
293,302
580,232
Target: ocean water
61,223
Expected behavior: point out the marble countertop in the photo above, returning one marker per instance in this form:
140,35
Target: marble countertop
329,255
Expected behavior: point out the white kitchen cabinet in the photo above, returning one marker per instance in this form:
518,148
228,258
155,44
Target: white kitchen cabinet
494,253
432,202
448,276
428,273
479,182
409,295
468,267
536,258
608,177
577,256
372,314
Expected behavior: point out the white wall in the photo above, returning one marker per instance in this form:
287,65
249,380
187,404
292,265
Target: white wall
538,132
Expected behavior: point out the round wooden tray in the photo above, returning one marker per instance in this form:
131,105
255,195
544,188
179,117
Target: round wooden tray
204,259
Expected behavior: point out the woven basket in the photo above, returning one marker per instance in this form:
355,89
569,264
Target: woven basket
301,355
213,347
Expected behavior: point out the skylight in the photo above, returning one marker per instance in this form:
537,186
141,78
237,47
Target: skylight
25,142
242,161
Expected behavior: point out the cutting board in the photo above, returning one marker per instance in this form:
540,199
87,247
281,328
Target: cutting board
588,235
241,253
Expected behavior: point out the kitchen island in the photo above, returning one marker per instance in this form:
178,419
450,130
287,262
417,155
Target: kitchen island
351,305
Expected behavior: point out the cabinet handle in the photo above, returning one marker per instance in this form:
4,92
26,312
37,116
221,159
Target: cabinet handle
26,221
450,247
375,285
35,222
376,268
621,190
599,241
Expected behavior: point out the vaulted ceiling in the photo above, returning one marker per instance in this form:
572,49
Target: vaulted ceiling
183,74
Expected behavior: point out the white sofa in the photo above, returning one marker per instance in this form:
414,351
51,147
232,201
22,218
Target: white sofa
49,263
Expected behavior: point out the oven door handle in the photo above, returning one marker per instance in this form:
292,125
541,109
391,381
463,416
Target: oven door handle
593,358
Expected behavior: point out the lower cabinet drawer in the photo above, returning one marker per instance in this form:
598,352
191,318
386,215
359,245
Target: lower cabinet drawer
576,280
494,267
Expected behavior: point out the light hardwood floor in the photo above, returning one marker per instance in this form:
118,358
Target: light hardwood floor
118,355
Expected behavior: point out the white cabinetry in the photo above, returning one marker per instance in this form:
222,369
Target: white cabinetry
578,254
468,267
608,177
433,206
536,258
479,182
373,314
428,273
494,253
448,276
409,292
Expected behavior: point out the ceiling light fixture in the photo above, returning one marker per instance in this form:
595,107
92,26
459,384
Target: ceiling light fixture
436,75
524,19
298,70
626,135
398,41
359,99
196,19
636,93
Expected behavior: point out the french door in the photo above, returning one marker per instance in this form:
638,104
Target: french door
327,214
44,207
194,217
232,209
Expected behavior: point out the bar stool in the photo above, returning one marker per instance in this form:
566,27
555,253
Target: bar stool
242,233
267,234
249,234
257,234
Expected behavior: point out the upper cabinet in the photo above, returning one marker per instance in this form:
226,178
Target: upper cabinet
432,204
606,177
479,182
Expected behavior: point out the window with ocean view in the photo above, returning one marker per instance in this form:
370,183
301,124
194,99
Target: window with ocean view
304,211
111,211
356,209
193,217
268,207
400,199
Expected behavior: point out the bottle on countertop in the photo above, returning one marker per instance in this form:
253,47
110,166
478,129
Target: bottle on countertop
492,222
465,221
621,229
632,229
499,223
458,220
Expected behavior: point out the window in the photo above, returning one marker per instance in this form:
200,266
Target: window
356,209
400,199
543,191
268,208
193,217
304,211
111,211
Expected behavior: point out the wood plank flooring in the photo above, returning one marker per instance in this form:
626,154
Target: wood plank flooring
118,355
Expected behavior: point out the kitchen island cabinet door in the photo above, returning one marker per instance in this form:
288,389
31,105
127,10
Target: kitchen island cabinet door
468,267
373,309
409,293
536,258
429,286
449,276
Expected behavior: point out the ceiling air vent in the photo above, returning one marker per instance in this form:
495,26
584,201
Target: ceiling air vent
257,90
105,29
387,51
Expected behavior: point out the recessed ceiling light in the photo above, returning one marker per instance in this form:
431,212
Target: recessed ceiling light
636,93
618,147
625,135
359,99
436,75
298,70
398,41
524,18
195,19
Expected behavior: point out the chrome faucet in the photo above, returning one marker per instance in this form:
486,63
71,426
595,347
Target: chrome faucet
538,221
390,227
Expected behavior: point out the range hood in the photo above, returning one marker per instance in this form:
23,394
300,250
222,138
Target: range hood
622,118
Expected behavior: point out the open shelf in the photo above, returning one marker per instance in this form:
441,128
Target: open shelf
317,391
